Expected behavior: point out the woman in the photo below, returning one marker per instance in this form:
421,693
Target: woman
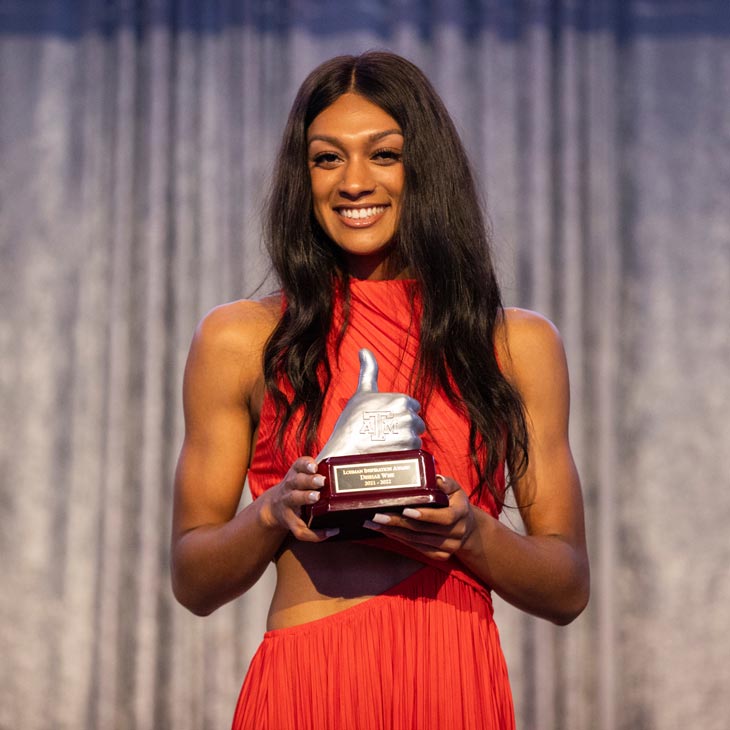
376,235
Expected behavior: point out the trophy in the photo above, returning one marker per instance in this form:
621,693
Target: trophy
373,461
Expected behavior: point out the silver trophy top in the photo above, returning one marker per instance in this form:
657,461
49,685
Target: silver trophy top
373,422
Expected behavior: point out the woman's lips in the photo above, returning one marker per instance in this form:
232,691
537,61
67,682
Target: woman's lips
361,217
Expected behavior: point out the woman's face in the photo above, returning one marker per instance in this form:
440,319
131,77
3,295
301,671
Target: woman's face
356,170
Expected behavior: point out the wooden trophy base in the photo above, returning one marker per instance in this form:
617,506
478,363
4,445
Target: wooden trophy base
358,486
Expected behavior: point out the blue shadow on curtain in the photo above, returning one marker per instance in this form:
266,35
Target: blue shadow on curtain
72,18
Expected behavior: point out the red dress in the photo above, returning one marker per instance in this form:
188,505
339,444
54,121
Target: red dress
425,653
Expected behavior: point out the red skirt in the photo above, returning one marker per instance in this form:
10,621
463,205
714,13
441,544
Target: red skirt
424,654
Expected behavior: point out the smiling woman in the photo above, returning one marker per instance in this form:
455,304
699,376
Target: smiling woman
376,235
356,170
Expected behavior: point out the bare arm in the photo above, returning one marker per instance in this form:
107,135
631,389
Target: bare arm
546,571
216,553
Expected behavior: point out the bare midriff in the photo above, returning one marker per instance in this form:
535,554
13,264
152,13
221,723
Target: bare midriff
315,580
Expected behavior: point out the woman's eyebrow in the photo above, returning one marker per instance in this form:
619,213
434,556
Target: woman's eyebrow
379,135
338,143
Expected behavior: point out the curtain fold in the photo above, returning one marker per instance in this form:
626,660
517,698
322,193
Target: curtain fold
136,144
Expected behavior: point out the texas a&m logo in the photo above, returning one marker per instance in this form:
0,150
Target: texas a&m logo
378,424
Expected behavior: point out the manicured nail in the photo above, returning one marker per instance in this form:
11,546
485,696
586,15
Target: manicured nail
318,481
370,525
313,496
312,467
381,519
408,512
441,477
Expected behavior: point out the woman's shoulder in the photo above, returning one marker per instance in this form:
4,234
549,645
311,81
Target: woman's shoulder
518,324
229,342
527,343
240,324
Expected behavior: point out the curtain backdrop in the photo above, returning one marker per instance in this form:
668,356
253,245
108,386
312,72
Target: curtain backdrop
136,142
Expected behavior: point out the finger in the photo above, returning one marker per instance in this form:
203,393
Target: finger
435,521
368,382
299,482
301,532
408,421
306,534
405,403
293,519
305,464
439,547
299,497
447,484
410,424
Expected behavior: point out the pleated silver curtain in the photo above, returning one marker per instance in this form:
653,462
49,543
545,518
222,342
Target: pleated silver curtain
136,142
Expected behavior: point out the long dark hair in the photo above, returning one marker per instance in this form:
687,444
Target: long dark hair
442,242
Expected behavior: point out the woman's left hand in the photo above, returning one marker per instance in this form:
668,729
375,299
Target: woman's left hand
437,533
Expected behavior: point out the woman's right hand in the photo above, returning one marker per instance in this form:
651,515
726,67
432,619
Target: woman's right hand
282,504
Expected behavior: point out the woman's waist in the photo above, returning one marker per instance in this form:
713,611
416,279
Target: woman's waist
314,580
317,580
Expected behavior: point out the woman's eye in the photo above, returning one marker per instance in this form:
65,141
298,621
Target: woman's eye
326,159
387,157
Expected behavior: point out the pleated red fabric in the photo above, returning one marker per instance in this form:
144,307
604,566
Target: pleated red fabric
425,653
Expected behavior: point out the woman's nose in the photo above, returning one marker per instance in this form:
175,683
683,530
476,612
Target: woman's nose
356,179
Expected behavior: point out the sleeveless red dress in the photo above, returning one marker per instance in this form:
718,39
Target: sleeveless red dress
425,653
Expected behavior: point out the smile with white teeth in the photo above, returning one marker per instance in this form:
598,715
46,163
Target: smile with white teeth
359,213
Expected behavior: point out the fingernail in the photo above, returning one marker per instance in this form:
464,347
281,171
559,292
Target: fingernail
441,477
312,468
370,525
313,496
318,481
381,519
331,532
408,512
